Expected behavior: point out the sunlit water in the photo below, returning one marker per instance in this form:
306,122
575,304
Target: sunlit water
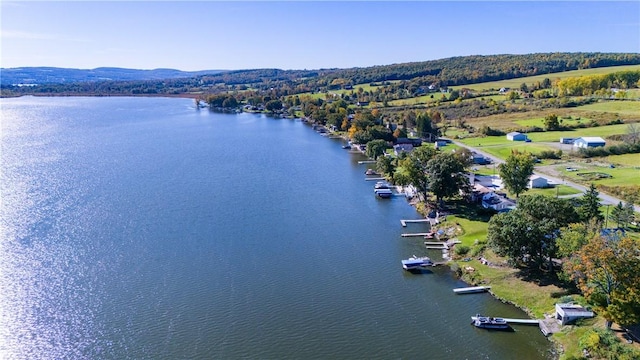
142,228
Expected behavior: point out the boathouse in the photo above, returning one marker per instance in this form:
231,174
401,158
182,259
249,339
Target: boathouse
567,313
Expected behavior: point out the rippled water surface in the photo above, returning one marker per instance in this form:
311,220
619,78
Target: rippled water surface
142,228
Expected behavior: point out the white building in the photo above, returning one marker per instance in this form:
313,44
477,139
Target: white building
537,182
567,313
589,141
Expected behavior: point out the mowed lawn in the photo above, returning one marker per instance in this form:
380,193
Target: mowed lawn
618,176
500,147
601,131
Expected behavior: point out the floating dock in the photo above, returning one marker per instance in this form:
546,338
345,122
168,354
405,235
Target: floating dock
517,321
471,289
405,222
367,162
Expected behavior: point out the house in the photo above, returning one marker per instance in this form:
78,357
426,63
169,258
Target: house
589,141
537,182
400,148
568,313
497,202
516,136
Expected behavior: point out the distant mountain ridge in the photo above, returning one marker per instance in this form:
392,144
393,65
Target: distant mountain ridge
55,75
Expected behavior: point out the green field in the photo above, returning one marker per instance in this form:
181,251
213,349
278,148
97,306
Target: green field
559,190
627,107
602,131
539,121
589,172
626,160
515,83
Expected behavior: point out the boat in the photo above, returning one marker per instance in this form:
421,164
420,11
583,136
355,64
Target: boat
346,146
414,263
383,193
485,322
371,172
471,290
382,185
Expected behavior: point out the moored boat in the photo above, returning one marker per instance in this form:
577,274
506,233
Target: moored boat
371,172
486,322
415,262
383,193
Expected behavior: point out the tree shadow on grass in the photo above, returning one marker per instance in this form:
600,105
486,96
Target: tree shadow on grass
469,211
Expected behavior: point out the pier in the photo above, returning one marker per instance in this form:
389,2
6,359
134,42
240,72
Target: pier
405,222
367,162
374,179
414,234
517,321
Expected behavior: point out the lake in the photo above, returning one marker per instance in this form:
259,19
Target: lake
144,228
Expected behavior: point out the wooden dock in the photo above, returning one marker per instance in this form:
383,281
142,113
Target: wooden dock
405,222
367,162
471,289
374,179
414,234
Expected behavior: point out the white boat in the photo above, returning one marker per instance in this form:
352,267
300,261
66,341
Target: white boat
415,262
485,322
371,172
472,289
382,185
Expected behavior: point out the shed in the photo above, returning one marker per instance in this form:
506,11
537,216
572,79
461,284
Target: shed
516,136
567,140
537,182
589,141
568,312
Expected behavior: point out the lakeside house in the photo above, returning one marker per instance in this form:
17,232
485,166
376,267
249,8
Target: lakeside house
589,141
537,182
516,136
568,313
402,148
497,202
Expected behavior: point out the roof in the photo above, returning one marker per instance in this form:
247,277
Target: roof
535,177
514,133
574,310
592,139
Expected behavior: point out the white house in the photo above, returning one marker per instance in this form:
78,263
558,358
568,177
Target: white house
516,136
496,202
589,141
567,313
537,182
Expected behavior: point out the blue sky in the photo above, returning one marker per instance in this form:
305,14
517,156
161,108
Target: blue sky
301,34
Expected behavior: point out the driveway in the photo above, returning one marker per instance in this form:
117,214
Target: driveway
606,199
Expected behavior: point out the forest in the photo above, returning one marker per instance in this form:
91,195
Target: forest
461,70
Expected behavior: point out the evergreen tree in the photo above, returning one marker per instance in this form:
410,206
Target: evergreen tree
590,205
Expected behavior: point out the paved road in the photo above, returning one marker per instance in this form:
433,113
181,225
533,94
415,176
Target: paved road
606,199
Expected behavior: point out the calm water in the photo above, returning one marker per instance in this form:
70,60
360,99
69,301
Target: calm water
142,228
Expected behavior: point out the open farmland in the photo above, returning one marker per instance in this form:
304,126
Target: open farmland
515,83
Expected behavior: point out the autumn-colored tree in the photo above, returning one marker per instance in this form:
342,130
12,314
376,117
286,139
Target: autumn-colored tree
608,274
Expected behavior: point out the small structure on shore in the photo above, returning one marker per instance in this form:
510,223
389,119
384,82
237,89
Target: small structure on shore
569,312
